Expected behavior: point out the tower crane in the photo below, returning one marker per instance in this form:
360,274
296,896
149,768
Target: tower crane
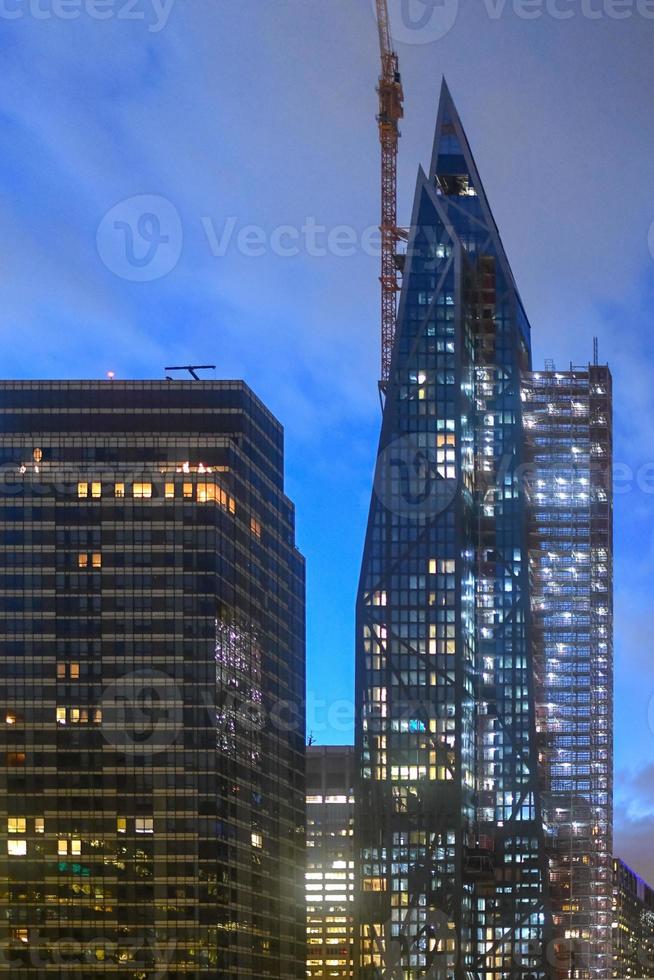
391,110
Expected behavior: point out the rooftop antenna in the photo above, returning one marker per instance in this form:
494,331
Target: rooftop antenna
595,351
192,370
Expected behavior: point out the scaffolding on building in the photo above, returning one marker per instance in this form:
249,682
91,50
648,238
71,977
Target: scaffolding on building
568,422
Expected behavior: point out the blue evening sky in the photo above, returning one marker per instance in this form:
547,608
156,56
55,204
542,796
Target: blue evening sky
254,113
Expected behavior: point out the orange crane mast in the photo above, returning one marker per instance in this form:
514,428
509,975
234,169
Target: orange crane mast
391,110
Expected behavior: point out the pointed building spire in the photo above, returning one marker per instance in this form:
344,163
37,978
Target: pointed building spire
453,167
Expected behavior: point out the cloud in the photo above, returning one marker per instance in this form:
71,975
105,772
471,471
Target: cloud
266,112
632,841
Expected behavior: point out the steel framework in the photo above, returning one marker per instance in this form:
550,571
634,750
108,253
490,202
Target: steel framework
391,99
568,418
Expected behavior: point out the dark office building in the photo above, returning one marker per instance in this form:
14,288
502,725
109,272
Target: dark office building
633,923
448,820
568,421
152,673
330,861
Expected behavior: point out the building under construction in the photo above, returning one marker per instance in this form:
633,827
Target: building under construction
450,838
567,417
484,613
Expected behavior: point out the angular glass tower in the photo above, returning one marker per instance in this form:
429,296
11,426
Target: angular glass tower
568,421
449,832
152,674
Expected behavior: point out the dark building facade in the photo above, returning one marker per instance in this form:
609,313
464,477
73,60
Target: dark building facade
568,421
449,831
152,673
633,923
330,861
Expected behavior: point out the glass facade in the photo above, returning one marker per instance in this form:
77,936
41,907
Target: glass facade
152,670
330,861
449,831
568,416
633,923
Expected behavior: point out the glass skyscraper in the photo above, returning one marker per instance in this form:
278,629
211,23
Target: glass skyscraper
633,924
152,672
568,420
449,833
330,861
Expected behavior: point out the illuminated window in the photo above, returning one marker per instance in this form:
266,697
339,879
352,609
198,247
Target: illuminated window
61,716
96,490
97,560
169,491
188,491
74,671
143,490
76,847
16,825
257,840
17,848
119,490
82,490
15,758
255,527
12,718
62,847
437,566
121,825
20,935
61,670
74,716
206,492
144,825
82,560
39,825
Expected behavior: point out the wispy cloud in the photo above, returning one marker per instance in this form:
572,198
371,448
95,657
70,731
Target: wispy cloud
265,112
